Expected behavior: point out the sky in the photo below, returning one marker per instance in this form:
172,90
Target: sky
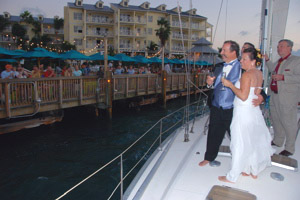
243,16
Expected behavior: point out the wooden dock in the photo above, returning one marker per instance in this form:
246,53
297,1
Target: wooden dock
19,97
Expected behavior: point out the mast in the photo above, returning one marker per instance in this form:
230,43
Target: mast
273,22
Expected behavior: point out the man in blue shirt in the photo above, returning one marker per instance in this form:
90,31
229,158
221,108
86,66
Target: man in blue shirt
222,99
7,73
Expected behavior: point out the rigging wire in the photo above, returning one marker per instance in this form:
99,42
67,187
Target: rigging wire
226,20
186,112
217,21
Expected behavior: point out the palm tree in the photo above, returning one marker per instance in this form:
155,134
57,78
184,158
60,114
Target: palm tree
27,17
36,28
66,46
163,33
152,46
58,24
3,23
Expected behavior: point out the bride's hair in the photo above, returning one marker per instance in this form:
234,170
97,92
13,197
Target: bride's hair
254,54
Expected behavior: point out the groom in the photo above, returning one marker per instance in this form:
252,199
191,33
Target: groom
222,100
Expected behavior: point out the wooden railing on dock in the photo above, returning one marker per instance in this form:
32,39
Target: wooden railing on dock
29,96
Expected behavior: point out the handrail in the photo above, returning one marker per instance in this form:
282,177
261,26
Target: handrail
64,92
122,153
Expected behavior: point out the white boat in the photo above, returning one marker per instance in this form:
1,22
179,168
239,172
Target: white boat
173,173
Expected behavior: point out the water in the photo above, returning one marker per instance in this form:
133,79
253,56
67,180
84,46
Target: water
44,162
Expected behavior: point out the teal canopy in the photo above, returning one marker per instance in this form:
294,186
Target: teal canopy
98,56
202,63
38,53
8,52
8,60
74,55
177,61
141,59
122,57
154,60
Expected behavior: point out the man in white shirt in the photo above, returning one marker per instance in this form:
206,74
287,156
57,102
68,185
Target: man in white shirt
167,68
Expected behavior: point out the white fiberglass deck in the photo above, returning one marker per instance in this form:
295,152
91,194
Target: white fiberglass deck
179,177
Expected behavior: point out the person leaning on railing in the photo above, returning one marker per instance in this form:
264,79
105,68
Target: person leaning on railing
49,73
68,72
21,72
77,71
7,73
35,73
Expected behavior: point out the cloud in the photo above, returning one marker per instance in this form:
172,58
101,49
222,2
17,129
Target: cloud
299,22
243,33
34,11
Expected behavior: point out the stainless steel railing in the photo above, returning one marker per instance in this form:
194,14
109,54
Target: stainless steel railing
199,110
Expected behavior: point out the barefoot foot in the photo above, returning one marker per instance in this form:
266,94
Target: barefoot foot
224,179
203,163
245,174
254,177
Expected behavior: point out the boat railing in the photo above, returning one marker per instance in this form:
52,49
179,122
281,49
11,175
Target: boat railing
163,128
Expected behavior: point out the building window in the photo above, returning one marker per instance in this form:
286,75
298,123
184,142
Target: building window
78,42
149,31
163,8
150,18
77,29
77,16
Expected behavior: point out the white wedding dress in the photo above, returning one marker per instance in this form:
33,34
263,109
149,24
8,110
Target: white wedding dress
250,139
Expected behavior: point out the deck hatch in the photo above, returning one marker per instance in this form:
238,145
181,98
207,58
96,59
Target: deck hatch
227,193
284,162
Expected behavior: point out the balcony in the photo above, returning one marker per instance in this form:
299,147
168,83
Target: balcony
140,20
177,24
7,29
96,33
126,19
140,34
4,38
100,20
126,33
126,47
139,48
177,36
52,31
198,27
98,46
195,37
179,49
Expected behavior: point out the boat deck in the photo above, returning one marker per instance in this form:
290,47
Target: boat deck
178,175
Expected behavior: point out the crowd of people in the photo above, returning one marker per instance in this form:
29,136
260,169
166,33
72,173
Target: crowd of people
84,69
12,72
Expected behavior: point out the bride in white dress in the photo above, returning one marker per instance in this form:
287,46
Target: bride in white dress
250,138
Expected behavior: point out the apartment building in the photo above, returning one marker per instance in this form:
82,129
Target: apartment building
130,28
8,41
